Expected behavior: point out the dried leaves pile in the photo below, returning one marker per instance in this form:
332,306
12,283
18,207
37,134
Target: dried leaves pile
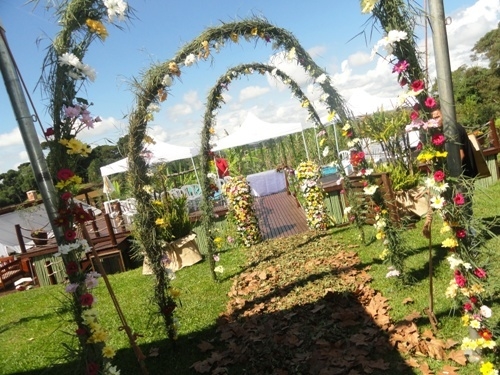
304,305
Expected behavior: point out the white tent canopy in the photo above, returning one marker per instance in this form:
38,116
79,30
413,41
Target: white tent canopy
254,130
161,153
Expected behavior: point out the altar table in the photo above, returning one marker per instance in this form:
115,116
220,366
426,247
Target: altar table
266,183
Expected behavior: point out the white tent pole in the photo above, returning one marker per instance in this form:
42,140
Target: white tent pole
305,145
317,144
336,137
195,172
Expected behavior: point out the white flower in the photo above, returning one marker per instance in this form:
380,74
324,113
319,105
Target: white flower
437,202
324,97
370,190
167,80
292,54
153,107
394,36
71,288
326,150
441,187
346,127
347,210
69,59
321,78
88,71
454,261
111,370
211,176
485,311
190,59
116,8
392,272
219,269
429,182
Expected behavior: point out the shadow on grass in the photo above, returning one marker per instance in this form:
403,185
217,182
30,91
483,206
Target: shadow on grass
333,334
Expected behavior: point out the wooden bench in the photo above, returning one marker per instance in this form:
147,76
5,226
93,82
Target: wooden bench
11,270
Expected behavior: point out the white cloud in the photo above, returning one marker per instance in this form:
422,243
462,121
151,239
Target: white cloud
12,138
359,58
251,92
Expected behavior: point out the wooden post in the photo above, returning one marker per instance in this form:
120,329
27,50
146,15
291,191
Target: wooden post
20,238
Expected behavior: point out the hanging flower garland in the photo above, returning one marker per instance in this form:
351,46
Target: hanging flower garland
82,22
308,174
240,202
154,89
468,286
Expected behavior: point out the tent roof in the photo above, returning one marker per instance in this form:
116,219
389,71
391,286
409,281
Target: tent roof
161,153
254,130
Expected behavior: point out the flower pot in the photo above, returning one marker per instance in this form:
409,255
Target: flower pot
39,237
181,253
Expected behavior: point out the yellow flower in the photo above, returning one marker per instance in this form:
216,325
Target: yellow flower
384,254
97,27
162,95
440,154
305,103
449,242
174,69
108,352
475,324
75,147
234,37
380,235
487,368
159,221
331,116
425,156
174,292
465,320
254,31
446,228
211,131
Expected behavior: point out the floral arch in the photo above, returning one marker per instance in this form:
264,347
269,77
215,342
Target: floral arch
154,89
214,102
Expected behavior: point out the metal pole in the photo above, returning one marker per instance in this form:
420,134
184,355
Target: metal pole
445,85
28,132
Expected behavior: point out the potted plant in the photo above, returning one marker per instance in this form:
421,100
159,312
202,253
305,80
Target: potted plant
39,236
174,231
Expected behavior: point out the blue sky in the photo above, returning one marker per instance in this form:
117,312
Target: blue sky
159,28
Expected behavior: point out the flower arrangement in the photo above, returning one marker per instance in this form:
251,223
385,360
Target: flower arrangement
63,75
447,196
240,202
308,174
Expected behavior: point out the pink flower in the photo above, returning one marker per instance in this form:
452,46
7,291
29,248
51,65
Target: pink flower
416,107
430,102
72,268
49,132
438,139
414,115
468,306
459,199
460,279
420,146
81,331
65,196
65,174
417,85
479,272
439,176
461,233
473,300
70,235
86,299
400,66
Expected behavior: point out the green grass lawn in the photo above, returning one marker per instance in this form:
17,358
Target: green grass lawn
34,325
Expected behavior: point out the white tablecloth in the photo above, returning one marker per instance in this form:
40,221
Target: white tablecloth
265,183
